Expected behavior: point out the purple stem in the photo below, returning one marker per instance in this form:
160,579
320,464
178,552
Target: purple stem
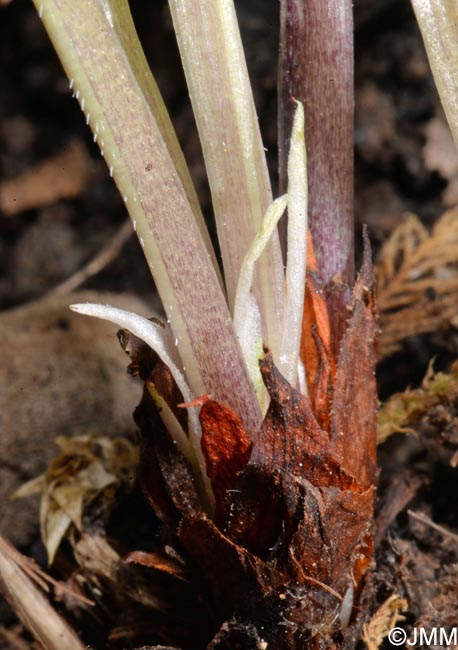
316,67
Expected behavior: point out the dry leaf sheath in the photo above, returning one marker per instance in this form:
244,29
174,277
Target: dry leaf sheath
282,561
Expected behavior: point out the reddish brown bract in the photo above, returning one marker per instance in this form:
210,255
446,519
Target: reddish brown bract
291,531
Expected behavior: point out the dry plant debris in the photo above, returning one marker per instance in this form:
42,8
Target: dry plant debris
417,280
85,468
30,604
385,618
434,402
14,637
63,176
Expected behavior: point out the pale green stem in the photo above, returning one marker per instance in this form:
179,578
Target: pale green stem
438,20
87,38
121,18
215,68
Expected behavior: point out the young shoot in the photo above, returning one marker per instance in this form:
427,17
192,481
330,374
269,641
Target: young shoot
296,251
247,318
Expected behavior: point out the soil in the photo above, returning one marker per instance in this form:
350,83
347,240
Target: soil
40,247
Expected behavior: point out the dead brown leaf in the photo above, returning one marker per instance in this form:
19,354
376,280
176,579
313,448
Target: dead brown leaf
159,561
316,348
290,438
355,404
167,478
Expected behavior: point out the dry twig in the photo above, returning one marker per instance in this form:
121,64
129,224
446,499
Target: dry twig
424,519
35,612
107,254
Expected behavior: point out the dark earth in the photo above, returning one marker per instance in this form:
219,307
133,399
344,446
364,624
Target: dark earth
41,247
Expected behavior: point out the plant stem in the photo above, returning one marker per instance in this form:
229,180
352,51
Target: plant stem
92,38
215,68
316,67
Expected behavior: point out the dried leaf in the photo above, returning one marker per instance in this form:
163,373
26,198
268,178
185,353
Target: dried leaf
316,351
159,561
417,280
63,176
354,417
384,619
330,536
235,576
261,510
312,535
85,467
315,315
290,438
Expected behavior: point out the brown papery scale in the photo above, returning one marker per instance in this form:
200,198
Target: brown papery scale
282,561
